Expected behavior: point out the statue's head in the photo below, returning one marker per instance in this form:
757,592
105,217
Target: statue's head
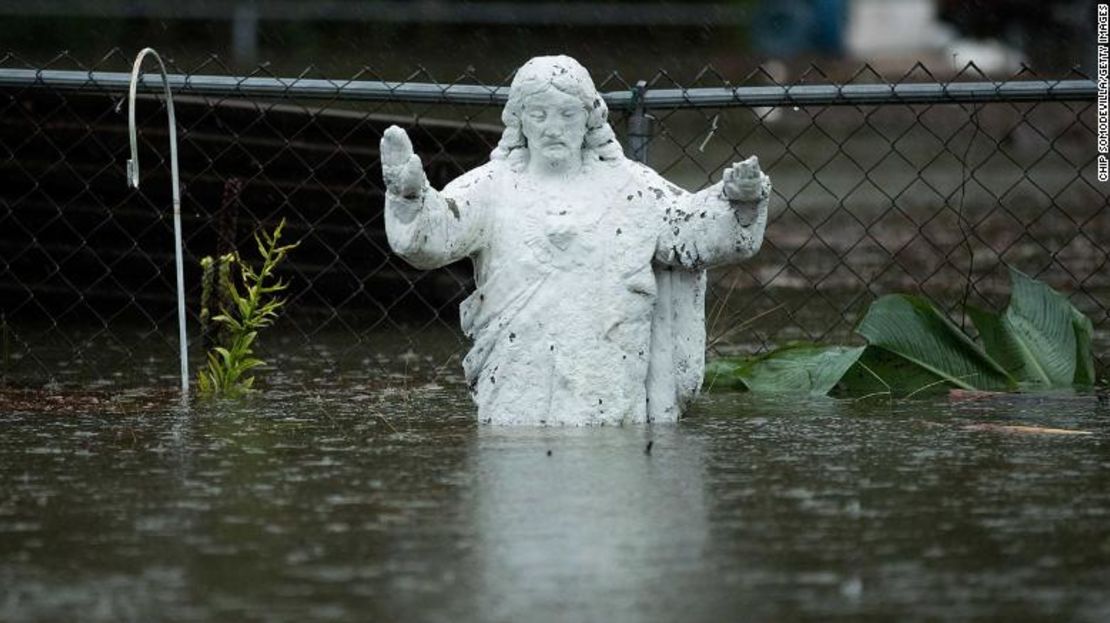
554,111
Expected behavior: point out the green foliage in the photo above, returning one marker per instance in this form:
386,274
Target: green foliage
1037,339
910,327
805,368
880,372
1040,341
250,308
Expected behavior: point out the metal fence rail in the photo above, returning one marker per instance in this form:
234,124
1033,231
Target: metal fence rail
880,185
656,98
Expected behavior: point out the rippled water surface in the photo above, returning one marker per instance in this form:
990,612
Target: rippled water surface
395,505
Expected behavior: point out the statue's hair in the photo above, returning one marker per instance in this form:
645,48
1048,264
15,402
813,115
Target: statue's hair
567,75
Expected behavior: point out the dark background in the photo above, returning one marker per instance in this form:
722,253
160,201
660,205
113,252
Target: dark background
489,39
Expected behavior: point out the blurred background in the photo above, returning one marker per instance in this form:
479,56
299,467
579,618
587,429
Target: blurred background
635,38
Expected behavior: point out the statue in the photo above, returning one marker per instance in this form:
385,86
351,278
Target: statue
590,268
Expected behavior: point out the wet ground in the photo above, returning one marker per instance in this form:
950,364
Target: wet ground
352,504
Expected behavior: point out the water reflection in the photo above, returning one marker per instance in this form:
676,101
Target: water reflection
587,523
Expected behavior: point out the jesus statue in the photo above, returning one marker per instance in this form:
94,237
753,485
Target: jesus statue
589,306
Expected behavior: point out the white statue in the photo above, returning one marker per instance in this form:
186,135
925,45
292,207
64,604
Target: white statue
590,268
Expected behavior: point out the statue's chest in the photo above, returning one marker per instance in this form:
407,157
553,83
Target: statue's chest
576,229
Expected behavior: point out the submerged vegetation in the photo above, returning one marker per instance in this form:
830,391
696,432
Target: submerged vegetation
1040,341
243,313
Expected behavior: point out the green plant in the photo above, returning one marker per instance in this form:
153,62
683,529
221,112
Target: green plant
1041,341
801,367
251,309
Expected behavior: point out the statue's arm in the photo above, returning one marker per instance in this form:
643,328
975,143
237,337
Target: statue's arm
722,224
428,228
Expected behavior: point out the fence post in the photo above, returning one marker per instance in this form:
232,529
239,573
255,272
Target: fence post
641,126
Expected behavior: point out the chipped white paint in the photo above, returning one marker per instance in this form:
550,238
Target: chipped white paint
590,268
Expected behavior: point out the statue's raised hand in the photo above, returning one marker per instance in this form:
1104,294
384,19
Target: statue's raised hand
743,181
402,170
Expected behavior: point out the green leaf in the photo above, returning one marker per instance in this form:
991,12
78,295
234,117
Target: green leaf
225,354
244,306
246,340
997,340
880,371
719,375
1040,324
796,368
244,365
1041,338
910,327
1084,361
226,319
204,386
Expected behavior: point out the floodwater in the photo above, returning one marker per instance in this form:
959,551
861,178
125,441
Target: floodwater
394,505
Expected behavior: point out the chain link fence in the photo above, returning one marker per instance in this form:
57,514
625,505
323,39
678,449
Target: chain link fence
882,184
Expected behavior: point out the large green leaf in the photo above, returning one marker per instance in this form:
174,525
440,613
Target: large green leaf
880,371
910,327
998,340
1041,338
719,375
797,368
1040,323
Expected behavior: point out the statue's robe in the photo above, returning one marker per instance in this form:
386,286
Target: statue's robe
590,298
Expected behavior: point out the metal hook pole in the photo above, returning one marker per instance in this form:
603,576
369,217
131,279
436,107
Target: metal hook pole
133,181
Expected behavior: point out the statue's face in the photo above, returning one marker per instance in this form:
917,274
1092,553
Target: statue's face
555,125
